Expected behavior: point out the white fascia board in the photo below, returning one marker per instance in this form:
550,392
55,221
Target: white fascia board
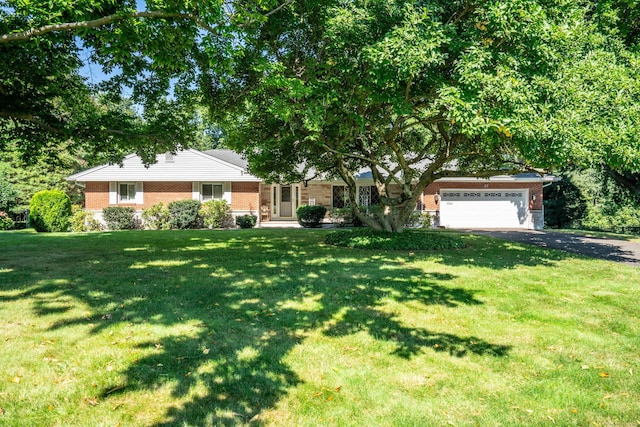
498,178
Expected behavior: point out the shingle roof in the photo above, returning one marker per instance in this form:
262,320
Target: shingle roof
229,156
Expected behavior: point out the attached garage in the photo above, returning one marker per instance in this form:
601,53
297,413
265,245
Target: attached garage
474,208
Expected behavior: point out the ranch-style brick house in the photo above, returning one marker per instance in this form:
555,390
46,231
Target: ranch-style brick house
496,202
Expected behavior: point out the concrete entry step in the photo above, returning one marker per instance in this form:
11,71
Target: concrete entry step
279,224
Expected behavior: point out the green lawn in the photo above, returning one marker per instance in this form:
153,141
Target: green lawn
273,327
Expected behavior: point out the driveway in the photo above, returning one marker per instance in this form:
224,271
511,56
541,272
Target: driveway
604,248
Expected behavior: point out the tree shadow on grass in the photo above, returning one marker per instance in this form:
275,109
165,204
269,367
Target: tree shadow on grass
247,299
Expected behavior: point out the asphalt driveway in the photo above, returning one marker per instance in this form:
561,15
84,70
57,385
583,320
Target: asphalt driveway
604,248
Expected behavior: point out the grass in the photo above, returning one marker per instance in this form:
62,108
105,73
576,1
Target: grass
419,239
273,327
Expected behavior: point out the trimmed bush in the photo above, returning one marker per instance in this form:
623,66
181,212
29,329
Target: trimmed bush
82,221
246,221
120,218
6,223
157,217
184,214
310,216
216,214
49,211
366,238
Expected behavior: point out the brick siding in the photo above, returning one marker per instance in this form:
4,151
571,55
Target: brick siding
245,196
96,195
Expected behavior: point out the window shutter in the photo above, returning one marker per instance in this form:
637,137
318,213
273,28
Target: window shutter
139,194
226,192
113,193
195,190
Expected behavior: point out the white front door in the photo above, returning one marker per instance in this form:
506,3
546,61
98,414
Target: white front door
286,206
485,209
285,200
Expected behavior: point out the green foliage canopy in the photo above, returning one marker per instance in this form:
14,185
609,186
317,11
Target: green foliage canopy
415,91
152,58
412,91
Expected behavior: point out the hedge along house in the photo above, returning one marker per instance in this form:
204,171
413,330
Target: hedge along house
496,202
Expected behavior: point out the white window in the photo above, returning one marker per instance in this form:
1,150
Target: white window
212,192
127,192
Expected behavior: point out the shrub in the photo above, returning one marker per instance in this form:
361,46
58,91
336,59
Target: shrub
8,195
246,221
184,214
81,221
157,217
419,220
367,238
6,223
120,218
49,211
341,216
310,216
216,214
624,220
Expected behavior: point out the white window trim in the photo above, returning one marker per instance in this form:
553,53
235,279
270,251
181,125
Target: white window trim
196,190
114,193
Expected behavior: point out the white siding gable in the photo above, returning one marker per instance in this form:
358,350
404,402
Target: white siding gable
188,165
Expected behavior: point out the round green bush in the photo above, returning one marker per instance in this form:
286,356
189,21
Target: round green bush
310,216
184,214
246,221
120,218
49,211
367,238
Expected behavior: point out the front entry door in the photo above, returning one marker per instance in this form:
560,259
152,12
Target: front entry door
286,205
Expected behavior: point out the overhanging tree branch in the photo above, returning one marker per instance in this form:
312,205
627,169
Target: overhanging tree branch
116,17
105,20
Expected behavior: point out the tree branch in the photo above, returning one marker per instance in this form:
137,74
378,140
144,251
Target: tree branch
287,2
105,20
630,184
33,119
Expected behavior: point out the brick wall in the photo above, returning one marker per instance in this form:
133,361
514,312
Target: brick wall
245,196
322,193
96,195
165,192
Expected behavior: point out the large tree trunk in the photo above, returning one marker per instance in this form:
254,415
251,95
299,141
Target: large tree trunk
393,212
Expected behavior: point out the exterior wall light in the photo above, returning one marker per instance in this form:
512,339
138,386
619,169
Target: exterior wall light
436,198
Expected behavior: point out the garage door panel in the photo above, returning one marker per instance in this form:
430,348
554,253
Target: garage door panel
485,209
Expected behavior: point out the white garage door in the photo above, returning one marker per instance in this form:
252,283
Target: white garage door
485,209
